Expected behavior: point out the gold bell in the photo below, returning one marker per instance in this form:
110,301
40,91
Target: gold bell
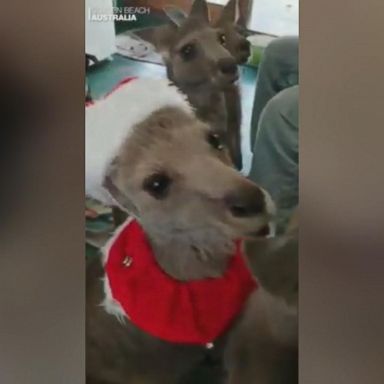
127,261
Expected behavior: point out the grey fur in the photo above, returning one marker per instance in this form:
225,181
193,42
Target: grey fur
191,231
214,94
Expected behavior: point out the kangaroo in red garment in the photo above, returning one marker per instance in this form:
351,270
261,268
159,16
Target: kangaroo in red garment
175,176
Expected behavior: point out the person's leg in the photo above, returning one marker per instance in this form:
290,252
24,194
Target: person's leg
278,70
275,152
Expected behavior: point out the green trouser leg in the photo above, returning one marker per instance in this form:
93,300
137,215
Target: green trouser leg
274,126
275,153
278,70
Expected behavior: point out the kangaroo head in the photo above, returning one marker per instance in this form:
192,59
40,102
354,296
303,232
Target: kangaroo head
175,175
194,52
236,41
233,27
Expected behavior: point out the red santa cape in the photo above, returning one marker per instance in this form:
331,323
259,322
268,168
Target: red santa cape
195,312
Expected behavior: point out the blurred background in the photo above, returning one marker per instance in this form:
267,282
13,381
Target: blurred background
341,193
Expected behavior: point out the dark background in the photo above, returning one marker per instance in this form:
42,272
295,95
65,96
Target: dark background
341,193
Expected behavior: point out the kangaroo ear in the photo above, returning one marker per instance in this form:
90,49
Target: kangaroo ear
161,37
199,10
228,14
111,184
244,12
176,15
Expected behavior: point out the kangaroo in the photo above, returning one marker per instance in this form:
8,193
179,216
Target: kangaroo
188,205
264,348
239,47
199,62
233,27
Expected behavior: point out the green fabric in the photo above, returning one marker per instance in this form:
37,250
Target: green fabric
276,154
279,69
91,251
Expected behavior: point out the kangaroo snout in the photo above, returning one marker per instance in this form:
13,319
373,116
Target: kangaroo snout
227,66
244,45
246,202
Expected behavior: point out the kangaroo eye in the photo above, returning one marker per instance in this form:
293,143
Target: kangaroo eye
222,39
157,185
188,51
215,141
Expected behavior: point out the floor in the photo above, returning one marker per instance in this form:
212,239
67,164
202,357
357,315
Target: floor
104,77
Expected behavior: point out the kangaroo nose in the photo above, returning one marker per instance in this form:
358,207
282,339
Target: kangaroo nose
244,45
246,202
228,66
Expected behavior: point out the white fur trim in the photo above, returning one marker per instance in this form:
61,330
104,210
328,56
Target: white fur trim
109,122
107,247
110,305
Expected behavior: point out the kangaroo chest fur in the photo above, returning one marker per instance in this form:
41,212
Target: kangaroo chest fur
219,107
222,110
210,105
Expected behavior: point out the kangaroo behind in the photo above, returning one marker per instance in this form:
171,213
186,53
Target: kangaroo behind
199,62
233,27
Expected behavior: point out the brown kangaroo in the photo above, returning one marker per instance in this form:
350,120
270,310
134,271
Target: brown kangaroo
233,28
264,349
174,175
200,61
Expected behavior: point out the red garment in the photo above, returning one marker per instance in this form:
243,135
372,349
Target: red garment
115,88
194,312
